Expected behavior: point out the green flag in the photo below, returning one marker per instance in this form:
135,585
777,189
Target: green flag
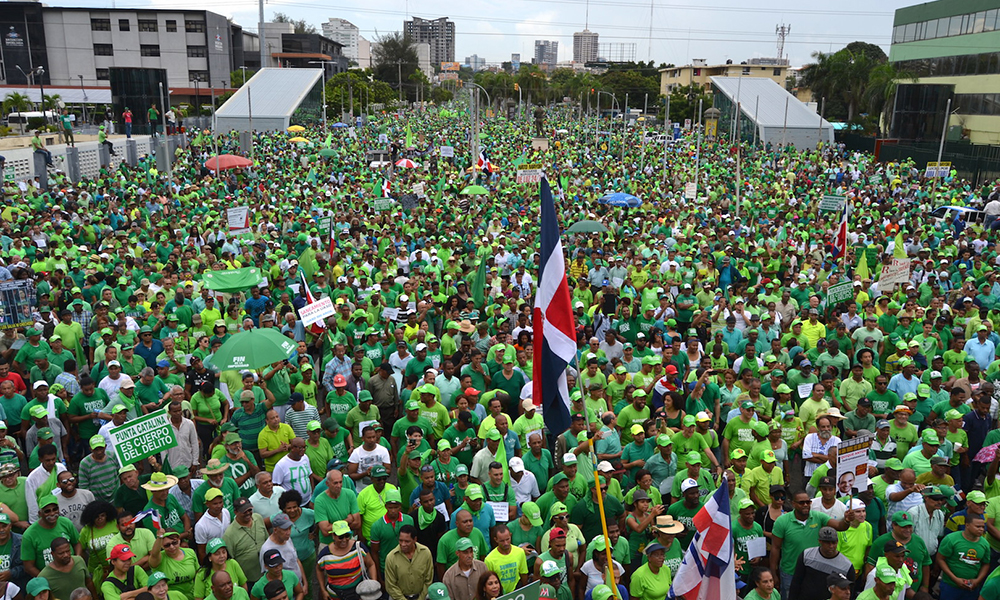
899,251
479,283
409,136
862,270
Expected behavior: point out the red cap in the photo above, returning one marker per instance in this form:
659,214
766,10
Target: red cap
339,381
670,369
122,552
470,391
556,533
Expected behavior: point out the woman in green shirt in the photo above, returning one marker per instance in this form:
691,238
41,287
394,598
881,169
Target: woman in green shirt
209,409
763,582
303,528
180,565
99,521
216,559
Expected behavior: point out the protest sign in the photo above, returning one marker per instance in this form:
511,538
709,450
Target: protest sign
238,218
897,271
831,203
530,174
143,437
842,292
383,203
529,592
690,190
852,465
317,311
447,151
17,299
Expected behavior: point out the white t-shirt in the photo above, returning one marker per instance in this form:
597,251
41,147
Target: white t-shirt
365,459
294,475
209,527
594,576
527,488
834,512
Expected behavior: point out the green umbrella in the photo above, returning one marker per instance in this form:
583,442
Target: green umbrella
328,152
253,349
587,227
474,190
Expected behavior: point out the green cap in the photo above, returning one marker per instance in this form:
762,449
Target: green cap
341,528
214,544
439,591
533,513
392,495
463,543
154,578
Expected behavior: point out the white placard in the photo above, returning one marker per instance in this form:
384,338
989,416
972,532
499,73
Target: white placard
447,151
756,547
441,508
317,311
898,271
852,465
501,511
238,218
390,313
690,190
805,389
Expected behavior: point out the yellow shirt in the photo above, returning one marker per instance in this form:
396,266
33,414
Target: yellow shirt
272,440
813,333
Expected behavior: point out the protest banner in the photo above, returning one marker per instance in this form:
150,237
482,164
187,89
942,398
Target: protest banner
317,311
238,218
897,271
690,189
383,204
937,169
831,203
852,465
529,174
447,151
532,591
17,300
842,292
143,437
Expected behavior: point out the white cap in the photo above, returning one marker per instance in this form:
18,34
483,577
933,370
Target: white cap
421,347
569,458
857,504
432,372
966,299
114,363
688,484
935,374
127,382
604,466
516,465
528,404
39,383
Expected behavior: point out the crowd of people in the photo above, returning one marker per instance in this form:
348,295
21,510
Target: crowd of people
399,452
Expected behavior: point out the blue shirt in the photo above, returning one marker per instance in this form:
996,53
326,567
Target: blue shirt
902,386
149,354
482,521
441,493
983,352
255,307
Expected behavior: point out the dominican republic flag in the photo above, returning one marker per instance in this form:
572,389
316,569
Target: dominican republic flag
554,331
484,163
708,571
315,328
152,514
386,190
840,238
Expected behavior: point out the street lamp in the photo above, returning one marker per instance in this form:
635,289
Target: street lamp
324,63
40,71
83,105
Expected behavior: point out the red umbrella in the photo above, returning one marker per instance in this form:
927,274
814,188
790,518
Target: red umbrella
406,163
987,454
227,161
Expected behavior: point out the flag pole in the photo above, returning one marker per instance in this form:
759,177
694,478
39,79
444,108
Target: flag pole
600,496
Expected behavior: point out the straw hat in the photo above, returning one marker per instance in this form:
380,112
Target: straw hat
160,481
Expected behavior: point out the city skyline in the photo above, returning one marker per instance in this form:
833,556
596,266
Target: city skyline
680,32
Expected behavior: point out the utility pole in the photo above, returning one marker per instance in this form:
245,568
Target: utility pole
261,37
697,155
666,130
399,74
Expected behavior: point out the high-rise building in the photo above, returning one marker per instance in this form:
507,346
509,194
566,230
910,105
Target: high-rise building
475,62
438,33
346,33
546,53
585,46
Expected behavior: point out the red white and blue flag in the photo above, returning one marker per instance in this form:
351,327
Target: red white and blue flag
484,163
708,571
386,189
152,514
554,331
840,238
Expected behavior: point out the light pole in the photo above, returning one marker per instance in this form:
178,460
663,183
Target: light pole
83,105
323,64
489,102
40,70
614,104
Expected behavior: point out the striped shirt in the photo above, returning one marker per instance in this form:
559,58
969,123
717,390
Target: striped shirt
101,478
298,419
341,571
249,425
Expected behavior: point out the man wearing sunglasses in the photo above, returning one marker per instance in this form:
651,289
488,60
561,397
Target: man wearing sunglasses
587,515
36,551
72,500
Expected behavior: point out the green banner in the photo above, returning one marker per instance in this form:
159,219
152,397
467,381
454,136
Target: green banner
842,292
383,203
235,280
529,592
143,437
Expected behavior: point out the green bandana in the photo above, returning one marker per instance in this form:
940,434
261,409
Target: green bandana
425,518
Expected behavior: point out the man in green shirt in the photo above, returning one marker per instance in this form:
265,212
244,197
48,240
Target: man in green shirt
918,561
964,558
797,530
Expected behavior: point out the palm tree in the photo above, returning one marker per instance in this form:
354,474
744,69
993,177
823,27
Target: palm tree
881,93
15,102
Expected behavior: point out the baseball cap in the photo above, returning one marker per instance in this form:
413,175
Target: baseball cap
533,513
272,558
688,484
894,547
463,543
122,552
902,519
827,534
439,591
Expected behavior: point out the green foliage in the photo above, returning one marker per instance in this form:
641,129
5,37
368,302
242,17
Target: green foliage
857,82
15,102
301,25
684,103
236,77
394,59
440,95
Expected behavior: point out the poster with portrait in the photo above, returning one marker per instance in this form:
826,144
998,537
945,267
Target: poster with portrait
852,465
17,299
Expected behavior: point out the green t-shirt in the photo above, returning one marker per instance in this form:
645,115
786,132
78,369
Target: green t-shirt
916,559
387,536
742,536
288,578
330,510
963,557
796,537
180,573
739,434
36,541
686,516
111,591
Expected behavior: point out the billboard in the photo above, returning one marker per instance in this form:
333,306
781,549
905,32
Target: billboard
17,299
449,66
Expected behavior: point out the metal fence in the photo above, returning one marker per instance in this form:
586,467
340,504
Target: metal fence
979,163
